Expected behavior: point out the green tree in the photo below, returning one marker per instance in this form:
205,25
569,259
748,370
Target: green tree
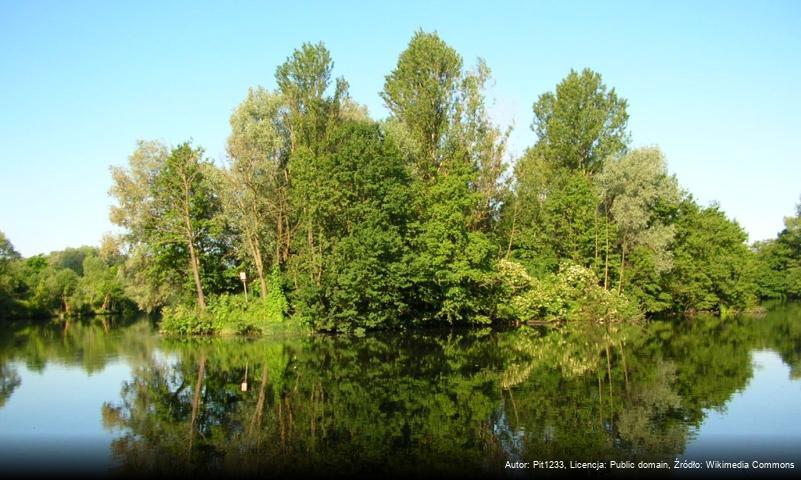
637,192
9,258
421,93
101,286
438,117
303,80
551,216
713,268
255,187
169,206
581,123
779,261
356,195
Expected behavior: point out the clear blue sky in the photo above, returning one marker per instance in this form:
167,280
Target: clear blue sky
717,85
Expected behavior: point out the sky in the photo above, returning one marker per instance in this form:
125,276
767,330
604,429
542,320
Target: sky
714,84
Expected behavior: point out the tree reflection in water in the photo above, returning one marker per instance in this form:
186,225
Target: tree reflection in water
452,402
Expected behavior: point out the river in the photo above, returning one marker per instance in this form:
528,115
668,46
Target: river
113,397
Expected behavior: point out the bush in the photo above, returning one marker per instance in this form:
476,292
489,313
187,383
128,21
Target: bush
229,314
572,294
182,320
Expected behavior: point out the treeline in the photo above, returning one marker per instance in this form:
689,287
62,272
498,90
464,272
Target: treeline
72,282
344,222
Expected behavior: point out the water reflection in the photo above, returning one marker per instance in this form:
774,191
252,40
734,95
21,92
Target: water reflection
435,402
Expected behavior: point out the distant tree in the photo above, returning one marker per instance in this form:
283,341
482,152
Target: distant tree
72,258
779,261
8,278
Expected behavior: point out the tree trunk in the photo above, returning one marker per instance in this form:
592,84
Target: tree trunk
193,262
622,267
255,251
595,231
606,260
512,232
190,237
609,376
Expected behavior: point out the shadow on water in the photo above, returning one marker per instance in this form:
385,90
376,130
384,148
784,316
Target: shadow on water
446,402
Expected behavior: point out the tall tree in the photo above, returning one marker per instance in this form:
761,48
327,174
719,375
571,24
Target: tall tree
581,123
635,189
357,193
169,207
484,143
303,79
421,93
439,118
256,190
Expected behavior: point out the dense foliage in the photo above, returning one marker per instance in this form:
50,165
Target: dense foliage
409,221
72,282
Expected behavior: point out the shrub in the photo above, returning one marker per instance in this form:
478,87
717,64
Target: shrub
229,314
572,294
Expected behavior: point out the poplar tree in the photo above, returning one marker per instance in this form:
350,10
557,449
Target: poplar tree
581,123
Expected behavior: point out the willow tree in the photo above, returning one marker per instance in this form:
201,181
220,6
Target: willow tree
256,190
635,189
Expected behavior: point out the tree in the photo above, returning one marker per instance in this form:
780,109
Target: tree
356,194
420,93
553,211
303,80
484,143
439,119
779,261
169,206
255,190
582,123
551,216
100,286
8,281
713,269
636,188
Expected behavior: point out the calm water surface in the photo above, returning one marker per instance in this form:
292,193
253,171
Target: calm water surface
114,397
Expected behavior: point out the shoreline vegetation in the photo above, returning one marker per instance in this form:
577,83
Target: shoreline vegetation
347,224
